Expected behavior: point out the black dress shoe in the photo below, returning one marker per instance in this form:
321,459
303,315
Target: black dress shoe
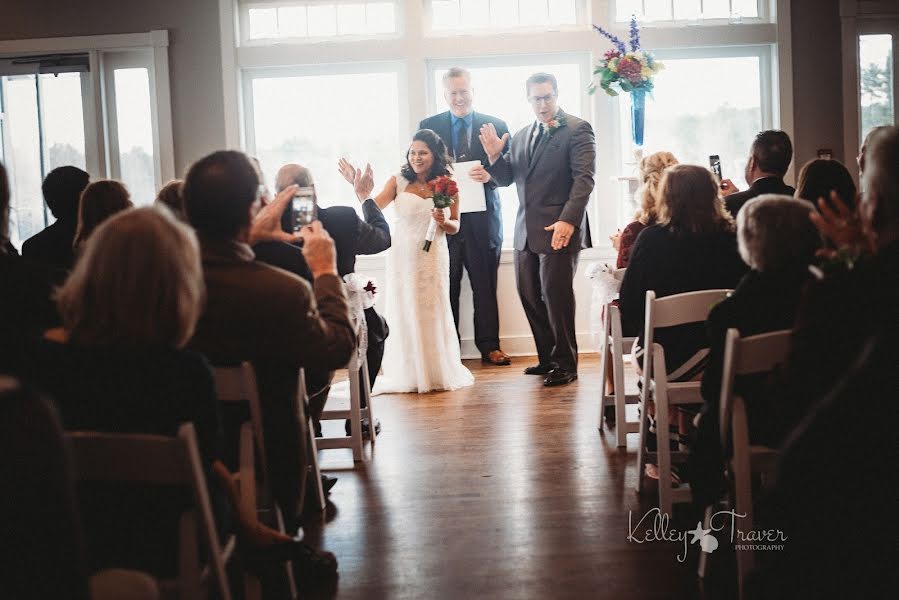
540,369
559,377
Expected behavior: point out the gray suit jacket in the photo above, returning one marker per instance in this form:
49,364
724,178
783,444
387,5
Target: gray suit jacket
554,186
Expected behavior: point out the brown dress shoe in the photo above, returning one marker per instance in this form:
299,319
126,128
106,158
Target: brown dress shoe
497,357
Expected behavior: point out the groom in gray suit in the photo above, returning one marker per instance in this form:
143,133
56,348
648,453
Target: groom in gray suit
552,163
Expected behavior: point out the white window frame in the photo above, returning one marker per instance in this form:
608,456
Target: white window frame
98,127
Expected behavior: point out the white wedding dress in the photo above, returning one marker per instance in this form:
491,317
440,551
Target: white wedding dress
422,350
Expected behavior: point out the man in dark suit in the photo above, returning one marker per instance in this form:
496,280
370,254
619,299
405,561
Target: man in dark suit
477,246
52,247
552,163
769,159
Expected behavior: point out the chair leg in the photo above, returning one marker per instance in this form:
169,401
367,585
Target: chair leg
603,368
620,395
366,394
644,430
316,473
356,415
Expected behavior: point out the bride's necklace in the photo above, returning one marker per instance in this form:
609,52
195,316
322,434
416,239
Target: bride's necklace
419,189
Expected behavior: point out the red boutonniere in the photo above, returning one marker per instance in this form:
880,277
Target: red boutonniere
553,125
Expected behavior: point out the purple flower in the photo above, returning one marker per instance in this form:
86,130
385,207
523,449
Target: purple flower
635,34
612,38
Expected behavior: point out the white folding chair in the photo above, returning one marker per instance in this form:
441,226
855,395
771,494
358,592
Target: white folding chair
753,355
670,311
360,386
614,346
238,385
161,460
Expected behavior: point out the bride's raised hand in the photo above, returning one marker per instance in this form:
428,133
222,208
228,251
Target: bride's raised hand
347,170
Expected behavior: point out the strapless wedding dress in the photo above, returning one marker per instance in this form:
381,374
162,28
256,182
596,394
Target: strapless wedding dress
422,351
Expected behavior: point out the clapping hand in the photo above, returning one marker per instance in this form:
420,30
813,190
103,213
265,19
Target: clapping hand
492,143
841,227
363,181
266,226
615,238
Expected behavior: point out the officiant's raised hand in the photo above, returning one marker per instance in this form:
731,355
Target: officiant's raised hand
492,143
479,174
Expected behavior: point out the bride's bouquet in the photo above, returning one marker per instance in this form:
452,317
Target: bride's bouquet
443,191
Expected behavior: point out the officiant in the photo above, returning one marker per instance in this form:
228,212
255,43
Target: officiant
477,246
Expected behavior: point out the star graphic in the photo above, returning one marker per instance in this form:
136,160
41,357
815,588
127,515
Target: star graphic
698,533
370,287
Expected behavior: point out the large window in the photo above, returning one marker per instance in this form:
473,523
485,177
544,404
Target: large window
876,81
693,119
499,91
449,15
687,10
314,117
311,20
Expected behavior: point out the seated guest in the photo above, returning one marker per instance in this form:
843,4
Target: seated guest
691,247
818,178
856,300
26,306
651,169
837,440
129,307
171,196
41,531
352,236
53,246
99,201
769,160
778,241
259,313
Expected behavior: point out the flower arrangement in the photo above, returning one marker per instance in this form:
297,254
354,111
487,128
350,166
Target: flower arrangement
443,194
623,69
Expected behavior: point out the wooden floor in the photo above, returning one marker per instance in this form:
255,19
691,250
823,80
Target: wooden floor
502,490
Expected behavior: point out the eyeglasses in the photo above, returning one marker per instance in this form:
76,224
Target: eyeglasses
541,99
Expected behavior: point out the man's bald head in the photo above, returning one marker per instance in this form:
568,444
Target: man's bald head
291,174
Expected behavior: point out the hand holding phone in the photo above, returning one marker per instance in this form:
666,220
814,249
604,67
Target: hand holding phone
715,166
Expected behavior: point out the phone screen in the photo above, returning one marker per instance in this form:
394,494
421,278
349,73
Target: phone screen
303,208
715,165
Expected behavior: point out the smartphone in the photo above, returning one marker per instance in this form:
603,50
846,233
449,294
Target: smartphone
304,208
715,166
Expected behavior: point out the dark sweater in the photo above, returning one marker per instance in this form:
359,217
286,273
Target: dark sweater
673,264
148,391
765,185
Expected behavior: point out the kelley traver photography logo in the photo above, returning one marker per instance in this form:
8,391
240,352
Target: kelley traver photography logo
654,527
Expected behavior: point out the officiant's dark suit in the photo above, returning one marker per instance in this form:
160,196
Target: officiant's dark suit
553,172
477,246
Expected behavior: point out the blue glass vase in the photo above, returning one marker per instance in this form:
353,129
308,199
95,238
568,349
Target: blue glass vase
638,115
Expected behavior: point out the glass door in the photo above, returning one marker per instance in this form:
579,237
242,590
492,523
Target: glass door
877,84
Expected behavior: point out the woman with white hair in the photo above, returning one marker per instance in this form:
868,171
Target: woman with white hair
778,241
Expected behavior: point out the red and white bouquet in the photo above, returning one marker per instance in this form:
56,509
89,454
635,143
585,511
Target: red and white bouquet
443,194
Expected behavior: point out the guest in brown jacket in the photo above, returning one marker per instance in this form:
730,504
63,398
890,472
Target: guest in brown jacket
263,314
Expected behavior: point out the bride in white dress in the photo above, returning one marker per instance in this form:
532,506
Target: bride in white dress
422,350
